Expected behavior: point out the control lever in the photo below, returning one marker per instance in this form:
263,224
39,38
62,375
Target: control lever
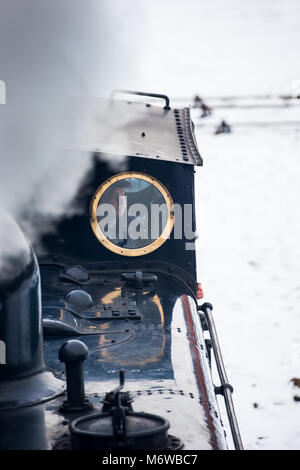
116,398
73,353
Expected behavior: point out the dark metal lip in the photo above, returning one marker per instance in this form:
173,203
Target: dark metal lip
80,432
53,392
172,271
142,119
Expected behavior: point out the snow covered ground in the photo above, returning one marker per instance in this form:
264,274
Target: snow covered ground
248,192
249,263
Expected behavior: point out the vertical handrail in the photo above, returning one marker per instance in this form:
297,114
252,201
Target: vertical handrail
225,389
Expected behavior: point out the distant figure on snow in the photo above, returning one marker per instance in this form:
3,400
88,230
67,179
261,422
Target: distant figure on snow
206,110
199,103
223,128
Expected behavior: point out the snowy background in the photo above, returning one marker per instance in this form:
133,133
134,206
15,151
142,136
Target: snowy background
248,191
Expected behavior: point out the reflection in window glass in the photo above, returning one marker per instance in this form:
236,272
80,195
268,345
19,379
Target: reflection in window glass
132,213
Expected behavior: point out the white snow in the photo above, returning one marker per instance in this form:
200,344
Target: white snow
249,263
248,192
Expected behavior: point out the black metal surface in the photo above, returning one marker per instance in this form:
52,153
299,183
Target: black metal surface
118,128
125,337
24,379
75,274
153,353
73,239
73,353
144,431
139,280
133,314
20,313
119,426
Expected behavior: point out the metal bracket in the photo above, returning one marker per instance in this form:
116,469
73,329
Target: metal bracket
221,389
139,280
208,345
203,321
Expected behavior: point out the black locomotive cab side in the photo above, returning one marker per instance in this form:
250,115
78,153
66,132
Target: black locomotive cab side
120,316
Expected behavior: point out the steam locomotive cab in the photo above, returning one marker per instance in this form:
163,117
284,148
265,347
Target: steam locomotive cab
120,319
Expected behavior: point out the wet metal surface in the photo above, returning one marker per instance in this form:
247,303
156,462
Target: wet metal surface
163,355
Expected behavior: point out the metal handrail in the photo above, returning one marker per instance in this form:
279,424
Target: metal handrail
225,388
141,93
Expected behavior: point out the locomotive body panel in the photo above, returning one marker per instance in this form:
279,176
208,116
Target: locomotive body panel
107,310
162,352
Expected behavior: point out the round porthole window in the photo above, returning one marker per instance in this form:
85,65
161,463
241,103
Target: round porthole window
131,214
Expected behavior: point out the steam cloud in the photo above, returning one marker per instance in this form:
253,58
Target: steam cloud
14,252
50,49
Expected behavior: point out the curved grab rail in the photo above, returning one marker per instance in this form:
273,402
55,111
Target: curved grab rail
141,93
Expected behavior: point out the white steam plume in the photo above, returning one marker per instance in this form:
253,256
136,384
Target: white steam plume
51,49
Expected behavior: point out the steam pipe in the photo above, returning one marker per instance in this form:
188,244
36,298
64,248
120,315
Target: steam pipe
24,378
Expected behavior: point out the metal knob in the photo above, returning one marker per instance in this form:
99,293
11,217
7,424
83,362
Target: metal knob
73,353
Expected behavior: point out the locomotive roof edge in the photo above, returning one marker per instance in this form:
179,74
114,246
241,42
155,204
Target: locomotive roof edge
128,128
